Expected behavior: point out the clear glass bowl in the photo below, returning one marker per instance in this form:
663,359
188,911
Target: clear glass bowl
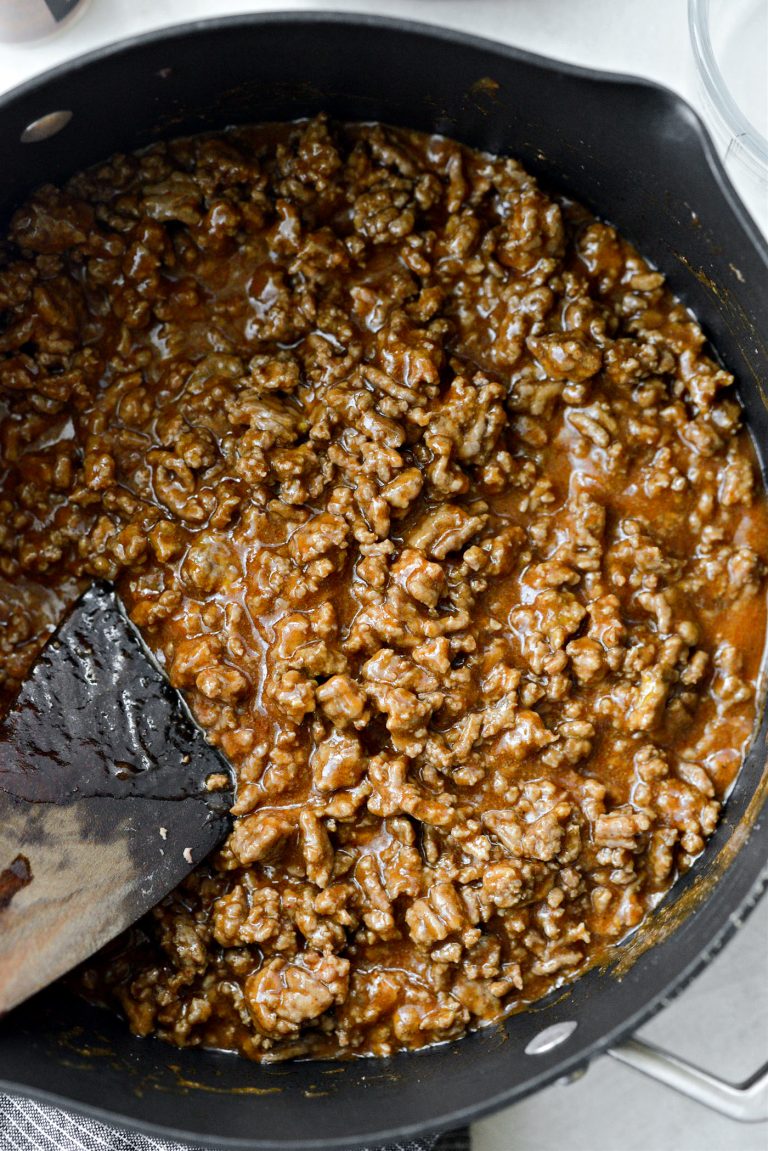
730,46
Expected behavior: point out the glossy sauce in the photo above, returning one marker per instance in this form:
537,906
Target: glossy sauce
424,490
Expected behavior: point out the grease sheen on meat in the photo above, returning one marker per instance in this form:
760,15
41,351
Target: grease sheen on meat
424,490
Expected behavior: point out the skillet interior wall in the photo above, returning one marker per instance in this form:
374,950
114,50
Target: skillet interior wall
628,151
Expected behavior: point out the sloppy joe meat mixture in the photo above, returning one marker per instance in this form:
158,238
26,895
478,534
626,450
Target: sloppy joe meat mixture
426,494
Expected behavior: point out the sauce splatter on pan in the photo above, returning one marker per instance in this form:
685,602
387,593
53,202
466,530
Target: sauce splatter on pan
13,879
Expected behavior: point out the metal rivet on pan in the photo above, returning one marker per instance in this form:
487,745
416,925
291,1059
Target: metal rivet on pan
550,1037
45,127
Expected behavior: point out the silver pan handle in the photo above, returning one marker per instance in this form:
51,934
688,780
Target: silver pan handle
747,1102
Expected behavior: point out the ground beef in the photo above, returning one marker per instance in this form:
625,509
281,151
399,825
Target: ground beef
424,491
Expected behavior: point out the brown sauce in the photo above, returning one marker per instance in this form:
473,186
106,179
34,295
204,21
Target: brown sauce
14,879
423,488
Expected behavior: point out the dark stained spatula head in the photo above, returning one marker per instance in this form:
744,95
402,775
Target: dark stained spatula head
105,798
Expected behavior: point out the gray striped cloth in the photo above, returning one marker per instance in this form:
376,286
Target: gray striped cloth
26,1125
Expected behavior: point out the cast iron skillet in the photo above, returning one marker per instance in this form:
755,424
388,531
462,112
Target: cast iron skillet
635,154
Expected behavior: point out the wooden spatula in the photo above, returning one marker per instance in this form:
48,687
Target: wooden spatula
105,796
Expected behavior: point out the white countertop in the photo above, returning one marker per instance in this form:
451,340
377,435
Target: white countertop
721,1021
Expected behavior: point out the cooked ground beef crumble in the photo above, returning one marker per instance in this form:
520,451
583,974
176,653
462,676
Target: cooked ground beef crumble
422,488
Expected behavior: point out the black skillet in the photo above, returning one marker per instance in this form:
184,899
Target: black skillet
635,154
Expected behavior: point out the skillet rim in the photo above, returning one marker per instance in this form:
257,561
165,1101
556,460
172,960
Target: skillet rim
290,16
